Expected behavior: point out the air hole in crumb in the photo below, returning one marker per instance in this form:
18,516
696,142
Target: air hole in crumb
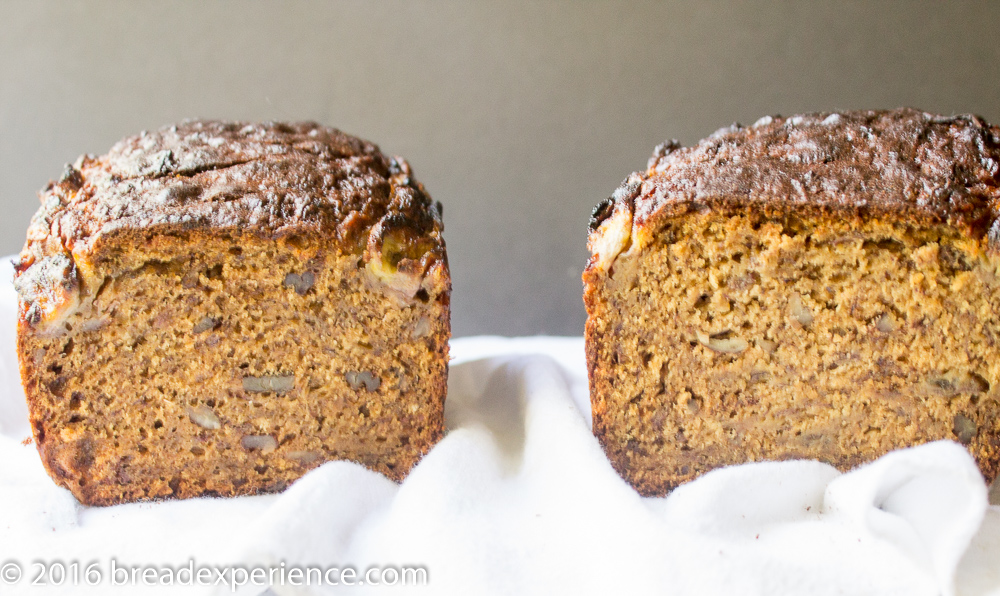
142,449
792,226
891,245
363,410
56,368
158,424
980,383
422,295
75,418
236,251
68,348
296,242
214,272
953,259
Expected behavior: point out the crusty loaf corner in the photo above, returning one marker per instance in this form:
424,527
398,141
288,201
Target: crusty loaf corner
823,286
215,308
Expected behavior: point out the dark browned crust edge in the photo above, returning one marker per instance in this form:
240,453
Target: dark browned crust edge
405,216
651,201
903,164
223,175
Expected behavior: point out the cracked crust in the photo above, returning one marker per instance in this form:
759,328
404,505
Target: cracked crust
725,296
215,308
903,165
269,180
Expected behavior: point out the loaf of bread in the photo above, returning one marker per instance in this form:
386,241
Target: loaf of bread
215,308
823,286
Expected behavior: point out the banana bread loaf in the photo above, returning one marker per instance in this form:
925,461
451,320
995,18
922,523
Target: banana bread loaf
822,286
215,308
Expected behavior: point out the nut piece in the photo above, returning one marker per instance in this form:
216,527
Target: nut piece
303,457
277,384
301,283
95,324
422,328
799,311
726,345
204,417
364,378
885,324
205,324
262,443
953,383
767,345
964,429
611,238
190,280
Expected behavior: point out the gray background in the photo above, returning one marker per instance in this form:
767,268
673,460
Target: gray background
518,116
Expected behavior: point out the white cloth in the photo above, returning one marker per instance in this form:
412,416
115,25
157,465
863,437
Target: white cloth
518,498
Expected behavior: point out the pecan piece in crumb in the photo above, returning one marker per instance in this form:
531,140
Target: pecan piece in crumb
277,384
365,379
262,443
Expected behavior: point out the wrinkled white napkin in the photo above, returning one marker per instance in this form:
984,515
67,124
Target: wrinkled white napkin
519,499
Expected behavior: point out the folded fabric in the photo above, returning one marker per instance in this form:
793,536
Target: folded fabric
519,499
